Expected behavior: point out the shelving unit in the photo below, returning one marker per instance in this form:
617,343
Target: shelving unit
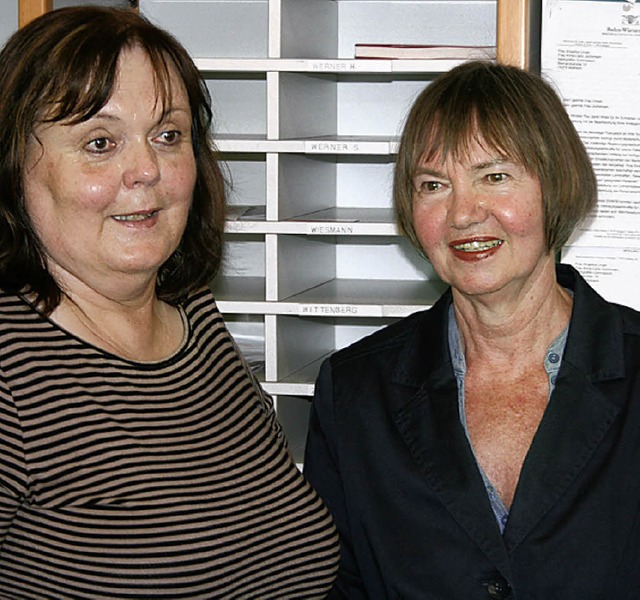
308,134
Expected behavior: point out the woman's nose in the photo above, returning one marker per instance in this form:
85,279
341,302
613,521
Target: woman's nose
466,207
141,165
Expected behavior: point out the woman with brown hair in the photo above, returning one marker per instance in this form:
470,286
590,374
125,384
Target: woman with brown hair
139,456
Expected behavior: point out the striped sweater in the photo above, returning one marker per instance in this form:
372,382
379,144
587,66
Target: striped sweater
167,479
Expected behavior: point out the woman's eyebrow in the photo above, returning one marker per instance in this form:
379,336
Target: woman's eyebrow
429,171
175,109
488,164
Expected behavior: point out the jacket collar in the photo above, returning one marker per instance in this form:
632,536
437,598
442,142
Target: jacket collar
594,345
425,354
595,342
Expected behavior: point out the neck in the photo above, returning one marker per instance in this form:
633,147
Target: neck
511,327
141,328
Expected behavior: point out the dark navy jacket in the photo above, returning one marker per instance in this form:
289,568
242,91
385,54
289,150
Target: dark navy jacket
387,452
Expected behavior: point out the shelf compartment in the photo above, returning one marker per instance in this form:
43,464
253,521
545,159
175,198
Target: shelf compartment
239,103
246,175
306,262
239,294
248,331
299,383
312,29
242,274
214,28
244,256
329,105
304,341
312,183
293,415
299,343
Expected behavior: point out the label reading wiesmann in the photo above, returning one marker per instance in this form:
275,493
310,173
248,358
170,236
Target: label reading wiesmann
330,230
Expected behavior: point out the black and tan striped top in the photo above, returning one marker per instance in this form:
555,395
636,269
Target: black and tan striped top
169,479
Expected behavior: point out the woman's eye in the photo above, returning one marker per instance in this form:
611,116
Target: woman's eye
99,145
430,186
170,137
497,177
426,186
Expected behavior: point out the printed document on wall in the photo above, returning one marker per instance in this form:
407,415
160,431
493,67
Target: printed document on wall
613,272
591,53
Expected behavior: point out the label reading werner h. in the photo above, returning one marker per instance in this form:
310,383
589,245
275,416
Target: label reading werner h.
349,66
331,65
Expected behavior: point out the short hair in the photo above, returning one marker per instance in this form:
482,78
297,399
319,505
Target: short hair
62,66
508,110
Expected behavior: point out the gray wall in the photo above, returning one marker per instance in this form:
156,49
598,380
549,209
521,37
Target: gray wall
9,12
8,19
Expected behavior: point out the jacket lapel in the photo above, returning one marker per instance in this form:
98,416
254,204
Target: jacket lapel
430,426
579,414
576,421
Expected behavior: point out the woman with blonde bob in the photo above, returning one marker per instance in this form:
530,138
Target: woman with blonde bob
487,447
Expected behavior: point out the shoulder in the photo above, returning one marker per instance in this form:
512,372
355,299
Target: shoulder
201,300
603,336
201,310
630,319
592,310
12,304
417,337
386,340
15,312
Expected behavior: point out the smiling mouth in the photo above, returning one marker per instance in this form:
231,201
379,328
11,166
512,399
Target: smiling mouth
134,217
477,245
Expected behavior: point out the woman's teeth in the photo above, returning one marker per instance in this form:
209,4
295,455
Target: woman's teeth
477,245
135,217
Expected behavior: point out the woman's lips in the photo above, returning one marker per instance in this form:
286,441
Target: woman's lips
146,217
475,249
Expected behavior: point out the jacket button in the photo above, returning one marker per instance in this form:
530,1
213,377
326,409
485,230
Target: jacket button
498,589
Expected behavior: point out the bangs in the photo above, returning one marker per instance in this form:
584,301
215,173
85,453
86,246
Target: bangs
87,85
452,132
479,107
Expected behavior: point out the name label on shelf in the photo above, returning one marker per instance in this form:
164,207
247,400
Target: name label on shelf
330,309
331,65
349,66
330,230
334,147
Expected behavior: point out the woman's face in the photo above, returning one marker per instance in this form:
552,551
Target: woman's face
480,222
109,197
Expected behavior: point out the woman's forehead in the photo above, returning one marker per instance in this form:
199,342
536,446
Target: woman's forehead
461,150
94,94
